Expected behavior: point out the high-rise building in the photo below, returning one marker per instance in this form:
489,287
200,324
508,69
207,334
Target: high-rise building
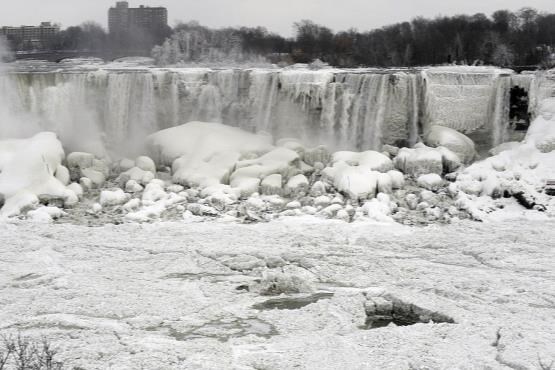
31,37
123,20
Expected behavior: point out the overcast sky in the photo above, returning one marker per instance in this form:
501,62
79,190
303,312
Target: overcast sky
276,15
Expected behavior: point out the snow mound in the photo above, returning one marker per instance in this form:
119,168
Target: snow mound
521,171
199,141
27,171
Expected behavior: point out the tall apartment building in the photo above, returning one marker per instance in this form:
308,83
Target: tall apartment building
31,37
123,20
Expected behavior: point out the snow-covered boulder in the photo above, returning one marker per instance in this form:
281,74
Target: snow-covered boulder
62,174
86,183
78,160
419,161
280,160
136,174
125,164
453,140
146,164
133,186
27,168
112,198
199,141
357,182
372,160
385,183
430,181
76,188
318,188
296,185
97,178
272,185
378,209
316,155
45,214
397,179
249,173
216,169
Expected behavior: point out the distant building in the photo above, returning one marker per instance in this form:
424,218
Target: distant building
31,37
127,23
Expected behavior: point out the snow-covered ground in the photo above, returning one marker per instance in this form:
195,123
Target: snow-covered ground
191,295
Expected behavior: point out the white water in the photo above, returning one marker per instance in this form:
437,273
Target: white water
344,109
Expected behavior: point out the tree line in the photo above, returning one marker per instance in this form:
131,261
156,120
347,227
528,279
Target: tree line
526,37
508,39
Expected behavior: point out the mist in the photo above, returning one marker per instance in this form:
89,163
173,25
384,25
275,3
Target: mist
23,117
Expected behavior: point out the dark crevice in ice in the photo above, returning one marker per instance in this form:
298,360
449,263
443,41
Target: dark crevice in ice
291,303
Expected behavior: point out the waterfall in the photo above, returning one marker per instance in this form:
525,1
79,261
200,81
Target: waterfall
500,111
344,109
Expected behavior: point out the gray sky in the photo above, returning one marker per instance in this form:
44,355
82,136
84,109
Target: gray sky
276,15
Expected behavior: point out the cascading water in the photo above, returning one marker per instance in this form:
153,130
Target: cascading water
344,109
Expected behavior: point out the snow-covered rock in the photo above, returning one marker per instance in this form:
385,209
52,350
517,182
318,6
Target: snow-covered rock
199,141
358,182
372,160
430,181
133,186
204,172
146,164
297,184
136,174
112,197
272,185
453,140
45,214
79,160
27,168
76,188
62,174
97,178
419,161
397,179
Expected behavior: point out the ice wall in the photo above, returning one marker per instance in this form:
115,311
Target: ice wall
468,99
345,109
542,86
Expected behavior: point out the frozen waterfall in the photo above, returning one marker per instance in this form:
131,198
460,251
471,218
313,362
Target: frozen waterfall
344,109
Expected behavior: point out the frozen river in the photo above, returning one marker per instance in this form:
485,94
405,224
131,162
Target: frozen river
194,295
